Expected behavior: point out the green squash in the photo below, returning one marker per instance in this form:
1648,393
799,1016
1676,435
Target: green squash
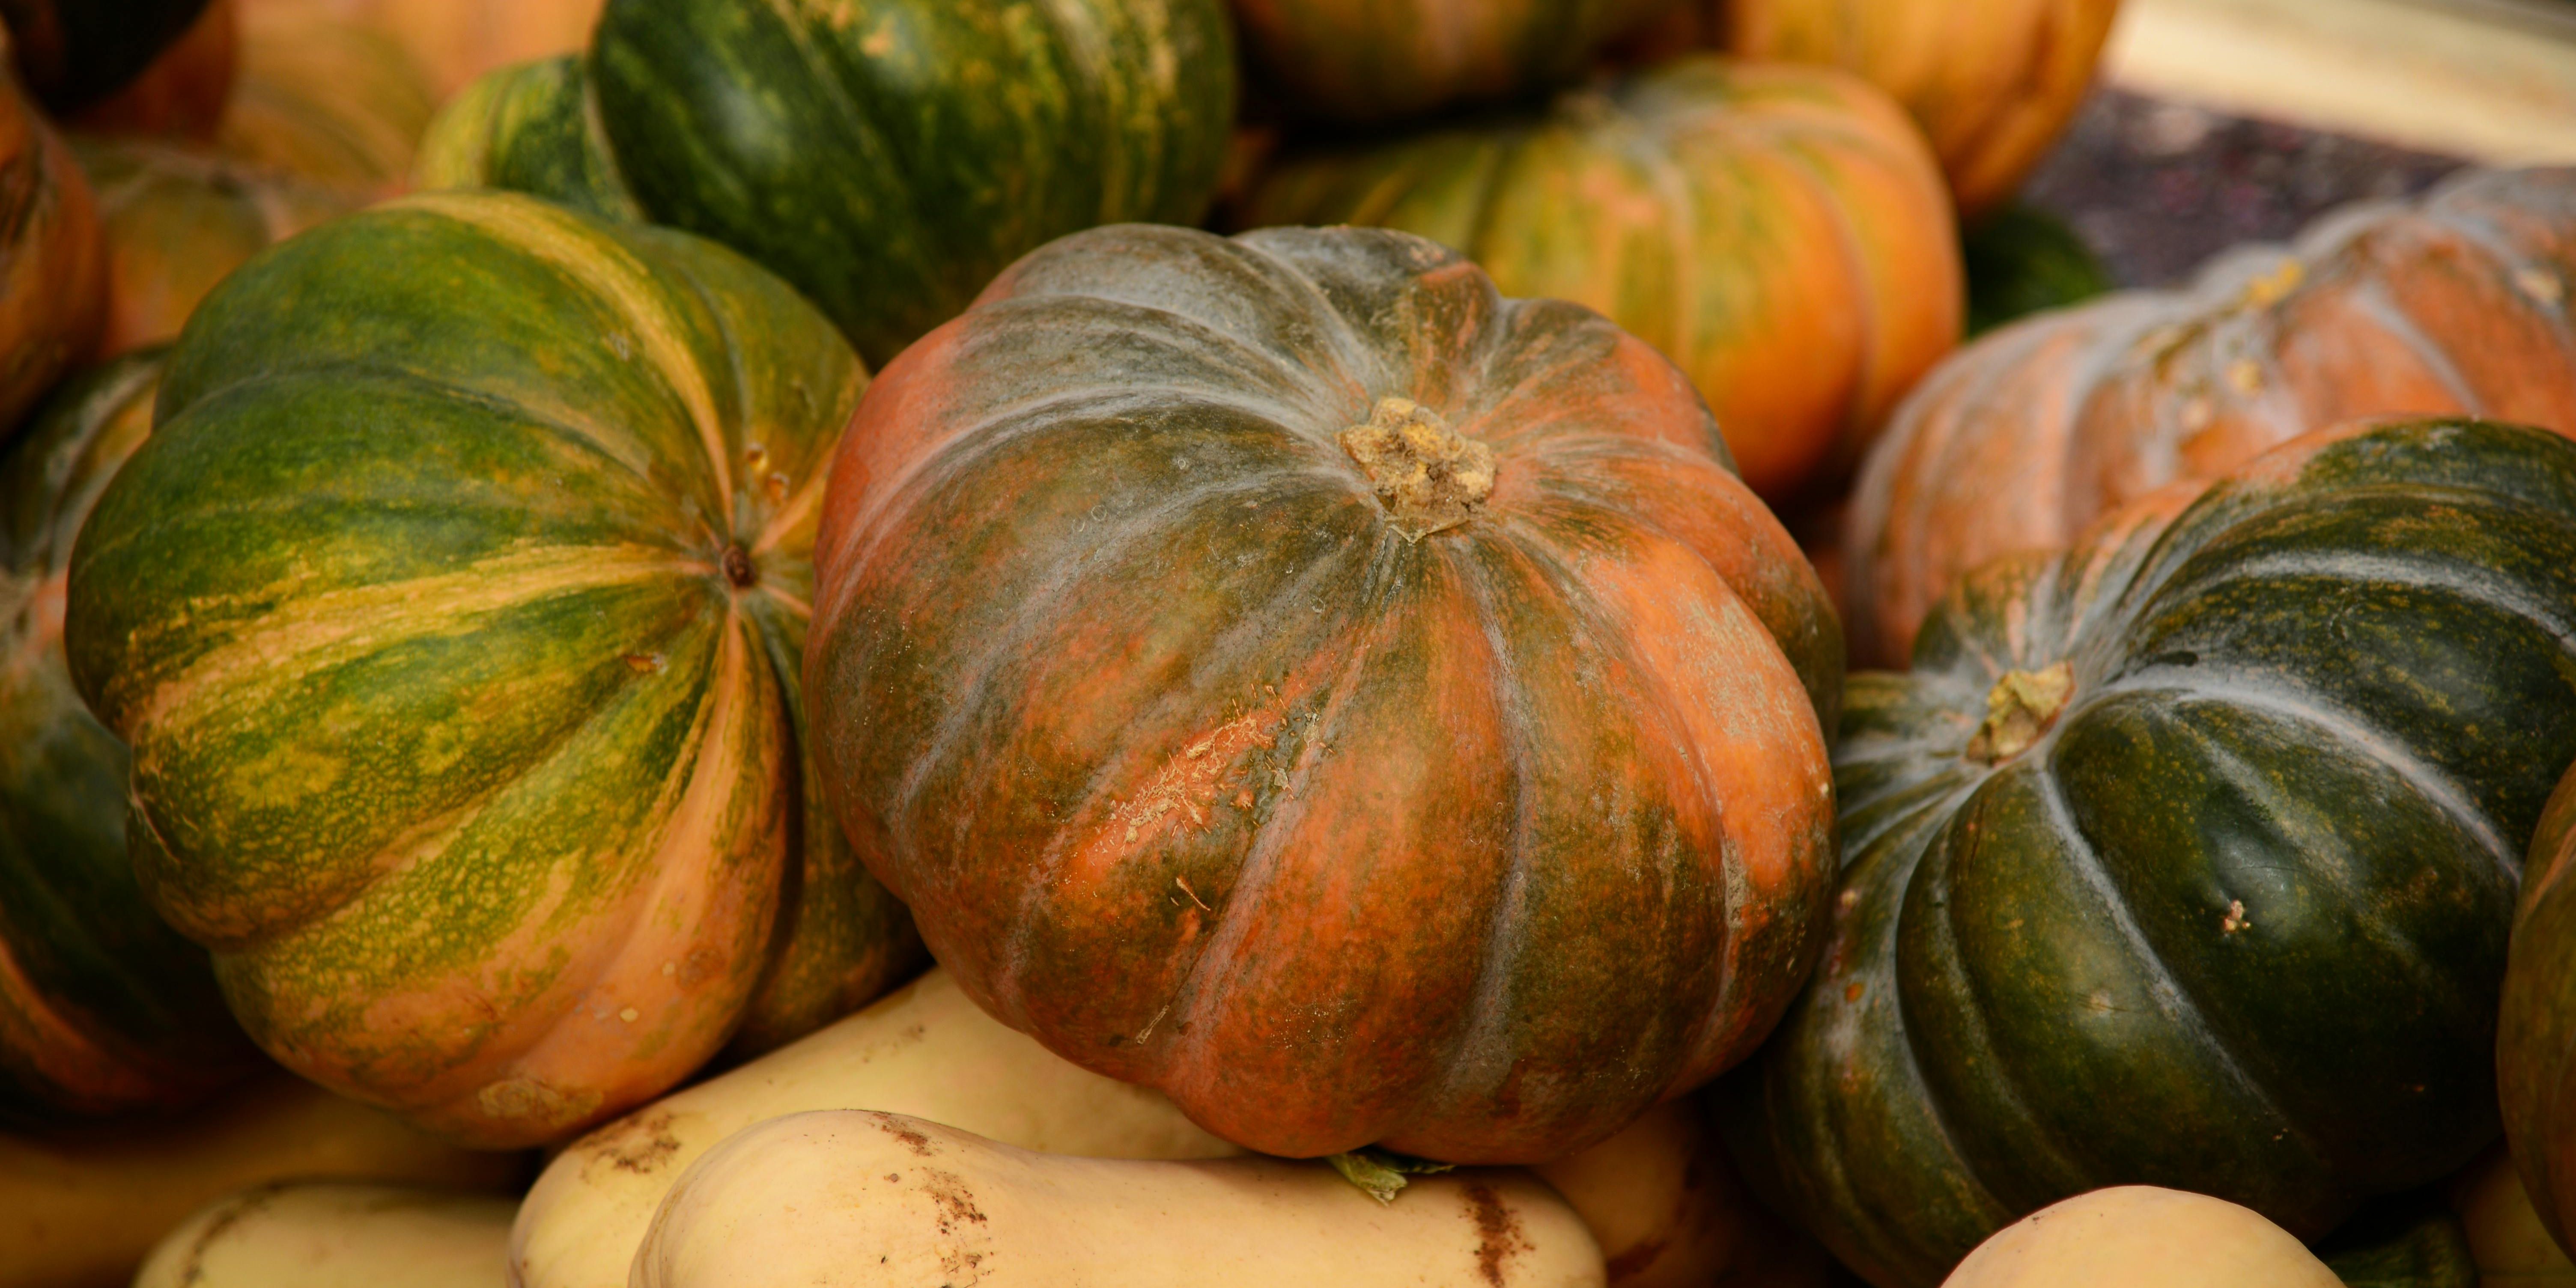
102,1008
2022,261
888,160
454,612
2187,858
76,52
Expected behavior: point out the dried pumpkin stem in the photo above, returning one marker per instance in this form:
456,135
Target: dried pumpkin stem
1429,476
2021,707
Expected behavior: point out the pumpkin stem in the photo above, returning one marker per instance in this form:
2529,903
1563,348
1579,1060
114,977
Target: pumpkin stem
1429,476
2021,707
738,568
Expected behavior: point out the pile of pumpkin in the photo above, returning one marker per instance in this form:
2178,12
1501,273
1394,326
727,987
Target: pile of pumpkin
484,665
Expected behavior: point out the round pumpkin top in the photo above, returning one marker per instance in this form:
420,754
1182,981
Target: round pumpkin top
1284,672
2216,820
453,613
1358,61
102,1008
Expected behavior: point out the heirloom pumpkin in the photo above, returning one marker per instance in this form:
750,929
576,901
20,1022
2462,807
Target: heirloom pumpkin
53,298
1993,82
2535,1066
878,165
2457,303
328,100
1780,232
102,1008
2217,822
1286,673
453,613
74,53
178,222
458,40
1358,61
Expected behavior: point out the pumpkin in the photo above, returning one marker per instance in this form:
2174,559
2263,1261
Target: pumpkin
1358,61
74,53
2411,1240
327,1234
2216,820
873,164
1664,1203
1780,232
178,222
453,614
2140,1236
923,1050
53,298
328,100
1993,84
881,1199
2022,260
103,1009
458,40
2456,303
527,128
1285,673
182,93
2513,1247
2533,1064
82,1207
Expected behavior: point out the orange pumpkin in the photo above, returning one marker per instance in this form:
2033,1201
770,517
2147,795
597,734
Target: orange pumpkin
178,222
328,98
183,92
1780,233
2454,304
1377,60
458,40
53,290
1993,82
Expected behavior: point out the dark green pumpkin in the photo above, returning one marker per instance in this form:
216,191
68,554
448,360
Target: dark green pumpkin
888,160
454,612
2021,261
103,1008
76,52
2403,1241
2187,858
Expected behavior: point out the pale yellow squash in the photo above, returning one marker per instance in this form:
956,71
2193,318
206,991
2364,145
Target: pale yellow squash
924,1050
1663,1200
2139,1236
80,1209
2513,1249
853,1199
334,1235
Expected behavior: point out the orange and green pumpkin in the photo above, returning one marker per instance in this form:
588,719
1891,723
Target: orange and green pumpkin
2187,857
103,1009
1780,232
1286,673
453,613
887,159
1360,61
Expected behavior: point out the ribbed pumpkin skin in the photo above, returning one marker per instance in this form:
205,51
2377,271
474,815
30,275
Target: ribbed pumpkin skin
2457,304
459,40
1195,768
1358,61
327,99
74,53
1993,83
453,613
102,1008
2533,1065
178,222
53,298
527,128
1779,231
2251,888
890,161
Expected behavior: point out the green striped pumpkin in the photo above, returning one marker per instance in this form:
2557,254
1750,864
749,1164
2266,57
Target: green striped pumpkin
454,613
102,1008
2187,858
889,160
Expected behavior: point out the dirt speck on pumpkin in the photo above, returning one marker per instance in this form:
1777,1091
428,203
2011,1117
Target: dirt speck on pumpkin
910,1136
1498,1233
640,1143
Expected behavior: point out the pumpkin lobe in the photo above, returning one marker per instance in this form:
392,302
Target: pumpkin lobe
1429,476
2022,706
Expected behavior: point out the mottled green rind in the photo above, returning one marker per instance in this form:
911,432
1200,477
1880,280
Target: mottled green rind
527,128
887,157
2406,1241
105,43
2022,261
71,915
2338,690
422,402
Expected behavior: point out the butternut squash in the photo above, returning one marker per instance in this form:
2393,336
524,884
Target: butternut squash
848,1198
2513,1249
2139,1236
923,1050
80,1209
1663,1201
332,1235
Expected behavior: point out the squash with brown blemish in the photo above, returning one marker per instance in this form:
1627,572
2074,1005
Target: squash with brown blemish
853,1199
323,1234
